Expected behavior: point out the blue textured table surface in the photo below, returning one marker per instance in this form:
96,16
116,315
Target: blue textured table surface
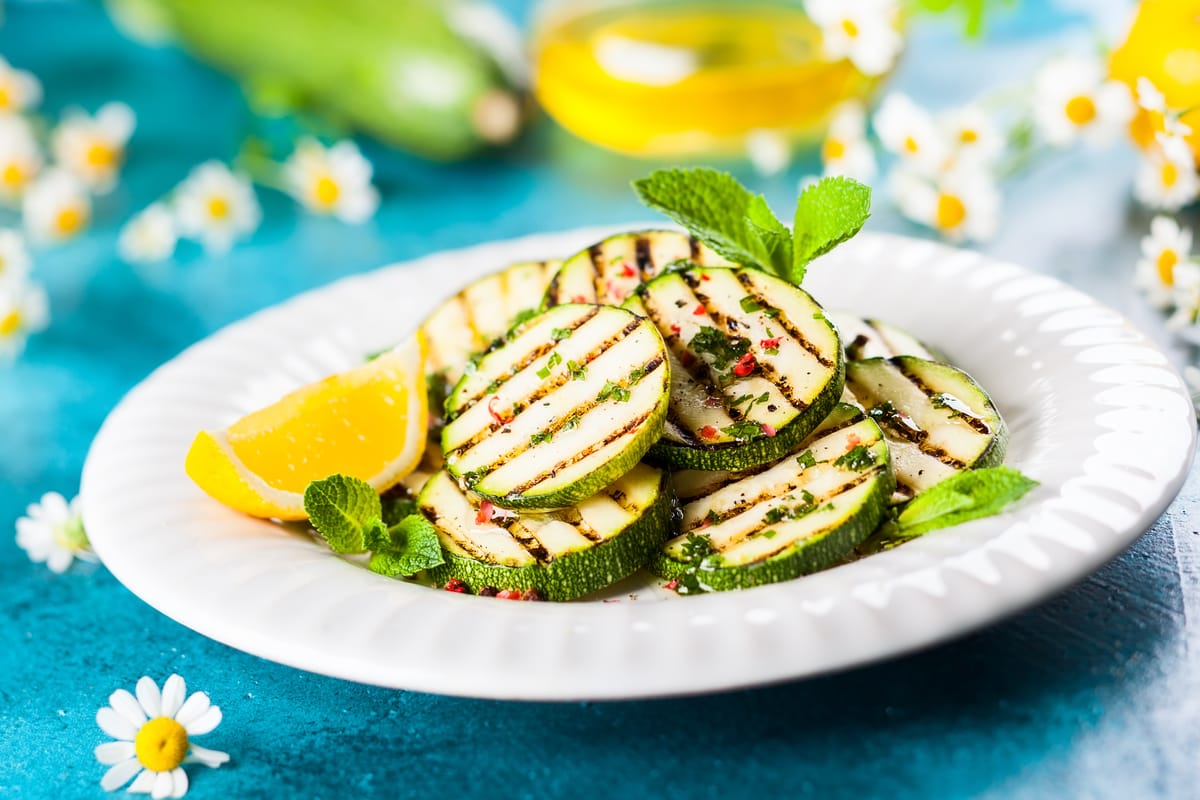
1096,693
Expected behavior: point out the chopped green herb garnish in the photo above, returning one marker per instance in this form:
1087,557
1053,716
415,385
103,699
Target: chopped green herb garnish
614,391
857,458
553,361
558,334
469,479
750,304
637,374
768,534
954,405
696,548
539,437
743,430
806,459
578,371
524,316
724,349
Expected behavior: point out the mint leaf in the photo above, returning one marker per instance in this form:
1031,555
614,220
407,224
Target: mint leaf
772,234
718,211
968,495
827,213
411,546
342,508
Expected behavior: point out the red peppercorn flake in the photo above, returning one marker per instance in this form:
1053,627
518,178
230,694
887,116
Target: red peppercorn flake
672,585
627,270
579,299
457,586
509,594
615,292
699,310
704,276
486,511
496,415
852,441
769,344
713,402
745,365
768,430
709,432
675,329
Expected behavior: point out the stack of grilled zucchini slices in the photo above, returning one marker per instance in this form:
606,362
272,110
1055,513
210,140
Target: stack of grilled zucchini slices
647,404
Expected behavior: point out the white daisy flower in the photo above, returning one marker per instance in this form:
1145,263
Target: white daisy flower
14,257
20,156
216,207
334,180
1073,100
1152,117
93,147
972,136
153,737
19,90
1167,176
149,236
52,532
24,310
959,204
769,151
864,31
1186,299
56,206
1163,251
910,132
845,149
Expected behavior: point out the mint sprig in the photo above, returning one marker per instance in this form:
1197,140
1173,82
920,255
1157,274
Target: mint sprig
966,496
740,226
350,516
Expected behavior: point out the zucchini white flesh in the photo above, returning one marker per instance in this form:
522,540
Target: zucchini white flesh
571,400
466,324
802,514
609,271
871,338
938,421
755,366
562,554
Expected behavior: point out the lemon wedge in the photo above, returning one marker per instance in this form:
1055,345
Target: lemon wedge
368,422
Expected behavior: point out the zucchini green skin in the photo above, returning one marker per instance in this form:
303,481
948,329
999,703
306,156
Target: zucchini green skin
609,271
579,573
567,483
686,449
864,338
826,547
866,379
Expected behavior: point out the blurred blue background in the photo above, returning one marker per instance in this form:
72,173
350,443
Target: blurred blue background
1093,694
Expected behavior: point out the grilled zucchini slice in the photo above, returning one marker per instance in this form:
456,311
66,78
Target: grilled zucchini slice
562,554
871,338
755,366
571,400
609,271
466,324
804,513
937,419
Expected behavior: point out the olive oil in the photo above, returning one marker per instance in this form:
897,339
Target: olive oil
670,78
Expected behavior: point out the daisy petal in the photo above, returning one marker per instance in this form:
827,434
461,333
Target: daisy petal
204,723
181,782
149,696
143,783
209,758
125,705
115,725
174,690
119,774
195,706
111,753
164,784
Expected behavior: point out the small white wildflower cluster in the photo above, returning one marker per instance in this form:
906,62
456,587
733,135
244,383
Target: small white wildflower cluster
1169,274
52,182
52,533
217,207
865,32
24,308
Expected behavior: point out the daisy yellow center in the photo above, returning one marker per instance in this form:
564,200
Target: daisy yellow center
968,136
68,220
9,323
1170,174
833,149
851,29
1144,125
6,100
100,155
161,744
1166,262
1080,109
13,176
910,145
950,212
326,190
218,207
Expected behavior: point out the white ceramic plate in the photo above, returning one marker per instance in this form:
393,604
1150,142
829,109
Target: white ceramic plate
1097,415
